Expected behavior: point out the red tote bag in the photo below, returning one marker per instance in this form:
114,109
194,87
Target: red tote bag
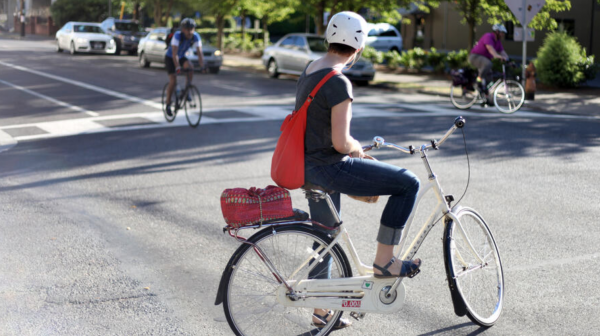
287,165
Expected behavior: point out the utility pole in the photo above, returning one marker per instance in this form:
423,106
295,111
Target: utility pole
22,17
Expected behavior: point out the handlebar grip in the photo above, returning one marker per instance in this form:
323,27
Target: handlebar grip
459,122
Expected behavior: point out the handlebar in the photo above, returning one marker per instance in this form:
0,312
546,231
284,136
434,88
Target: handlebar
379,142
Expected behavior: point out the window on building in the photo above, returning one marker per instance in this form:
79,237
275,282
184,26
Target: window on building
567,25
510,30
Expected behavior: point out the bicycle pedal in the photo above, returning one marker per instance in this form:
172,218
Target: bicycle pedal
415,273
357,316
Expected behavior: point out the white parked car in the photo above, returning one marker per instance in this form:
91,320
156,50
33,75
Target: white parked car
85,37
384,37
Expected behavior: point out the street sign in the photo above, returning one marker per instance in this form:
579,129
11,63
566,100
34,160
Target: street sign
518,34
532,7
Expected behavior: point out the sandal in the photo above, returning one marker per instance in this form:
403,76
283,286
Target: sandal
410,269
323,319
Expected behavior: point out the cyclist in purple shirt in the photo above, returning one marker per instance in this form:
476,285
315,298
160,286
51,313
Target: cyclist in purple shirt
488,47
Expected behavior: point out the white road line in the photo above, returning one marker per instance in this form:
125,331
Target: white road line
86,86
52,100
6,141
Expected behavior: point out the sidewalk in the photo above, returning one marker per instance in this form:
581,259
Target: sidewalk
15,36
584,100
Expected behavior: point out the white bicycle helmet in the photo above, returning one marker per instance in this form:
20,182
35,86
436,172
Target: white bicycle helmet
347,28
499,27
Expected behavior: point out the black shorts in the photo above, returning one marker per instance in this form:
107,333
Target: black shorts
170,64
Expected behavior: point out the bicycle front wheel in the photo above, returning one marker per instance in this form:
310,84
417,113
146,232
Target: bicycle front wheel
461,97
476,267
171,117
193,106
509,96
250,301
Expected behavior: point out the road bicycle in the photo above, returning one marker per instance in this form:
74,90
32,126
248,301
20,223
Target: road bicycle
277,277
188,98
508,94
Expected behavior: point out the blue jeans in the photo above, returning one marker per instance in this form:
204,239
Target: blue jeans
363,177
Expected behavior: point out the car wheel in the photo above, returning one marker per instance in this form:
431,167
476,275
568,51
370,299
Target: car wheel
362,83
72,50
214,70
273,69
132,52
117,50
58,48
144,63
395,49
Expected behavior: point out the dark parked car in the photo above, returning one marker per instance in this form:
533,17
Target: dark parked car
127,34
153,47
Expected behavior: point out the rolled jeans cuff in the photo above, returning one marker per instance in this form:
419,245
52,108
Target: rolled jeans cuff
388,235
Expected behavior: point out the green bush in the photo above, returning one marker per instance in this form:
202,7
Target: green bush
562,62
589,67
370,53
436,60
414,59
393,59
458,59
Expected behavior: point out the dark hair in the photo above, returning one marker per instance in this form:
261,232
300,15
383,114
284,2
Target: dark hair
341,49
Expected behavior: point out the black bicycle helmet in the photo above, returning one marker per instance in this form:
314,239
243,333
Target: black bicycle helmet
188,23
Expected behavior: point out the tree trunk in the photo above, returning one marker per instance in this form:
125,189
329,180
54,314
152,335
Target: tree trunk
319,18
157,13
220,21
168,13
471,35
243,17
265,31
136,10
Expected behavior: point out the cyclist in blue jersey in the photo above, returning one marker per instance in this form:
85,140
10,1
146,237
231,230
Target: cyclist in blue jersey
175,58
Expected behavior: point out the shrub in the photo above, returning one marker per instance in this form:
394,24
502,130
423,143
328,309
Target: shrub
436,60
373,55
562,62
458,59
589,68
393,59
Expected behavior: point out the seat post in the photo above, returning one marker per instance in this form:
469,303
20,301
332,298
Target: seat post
318,195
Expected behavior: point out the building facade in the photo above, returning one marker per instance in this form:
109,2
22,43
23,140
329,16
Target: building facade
442,29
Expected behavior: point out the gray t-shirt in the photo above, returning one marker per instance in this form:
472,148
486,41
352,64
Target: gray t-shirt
318,146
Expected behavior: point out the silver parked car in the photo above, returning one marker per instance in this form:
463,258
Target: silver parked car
153,47
293,52
85,37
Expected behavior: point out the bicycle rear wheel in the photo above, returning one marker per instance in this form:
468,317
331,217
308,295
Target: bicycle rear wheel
476,267
173,104
509,96
250,299
462,98
193,106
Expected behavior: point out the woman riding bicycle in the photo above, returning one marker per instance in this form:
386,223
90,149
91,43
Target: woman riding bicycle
335,161
488,48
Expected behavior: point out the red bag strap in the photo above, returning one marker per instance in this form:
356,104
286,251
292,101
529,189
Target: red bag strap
313,93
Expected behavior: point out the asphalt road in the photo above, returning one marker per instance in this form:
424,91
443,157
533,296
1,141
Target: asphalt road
113,227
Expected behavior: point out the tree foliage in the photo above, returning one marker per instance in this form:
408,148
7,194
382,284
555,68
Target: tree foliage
64,11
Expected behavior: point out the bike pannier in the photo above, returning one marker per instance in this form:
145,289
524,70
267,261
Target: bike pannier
242,207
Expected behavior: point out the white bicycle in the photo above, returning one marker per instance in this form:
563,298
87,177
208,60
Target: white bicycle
279,275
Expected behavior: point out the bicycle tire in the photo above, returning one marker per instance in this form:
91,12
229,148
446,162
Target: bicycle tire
164,104
249,285
461,98
479,285
193,108
515,89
